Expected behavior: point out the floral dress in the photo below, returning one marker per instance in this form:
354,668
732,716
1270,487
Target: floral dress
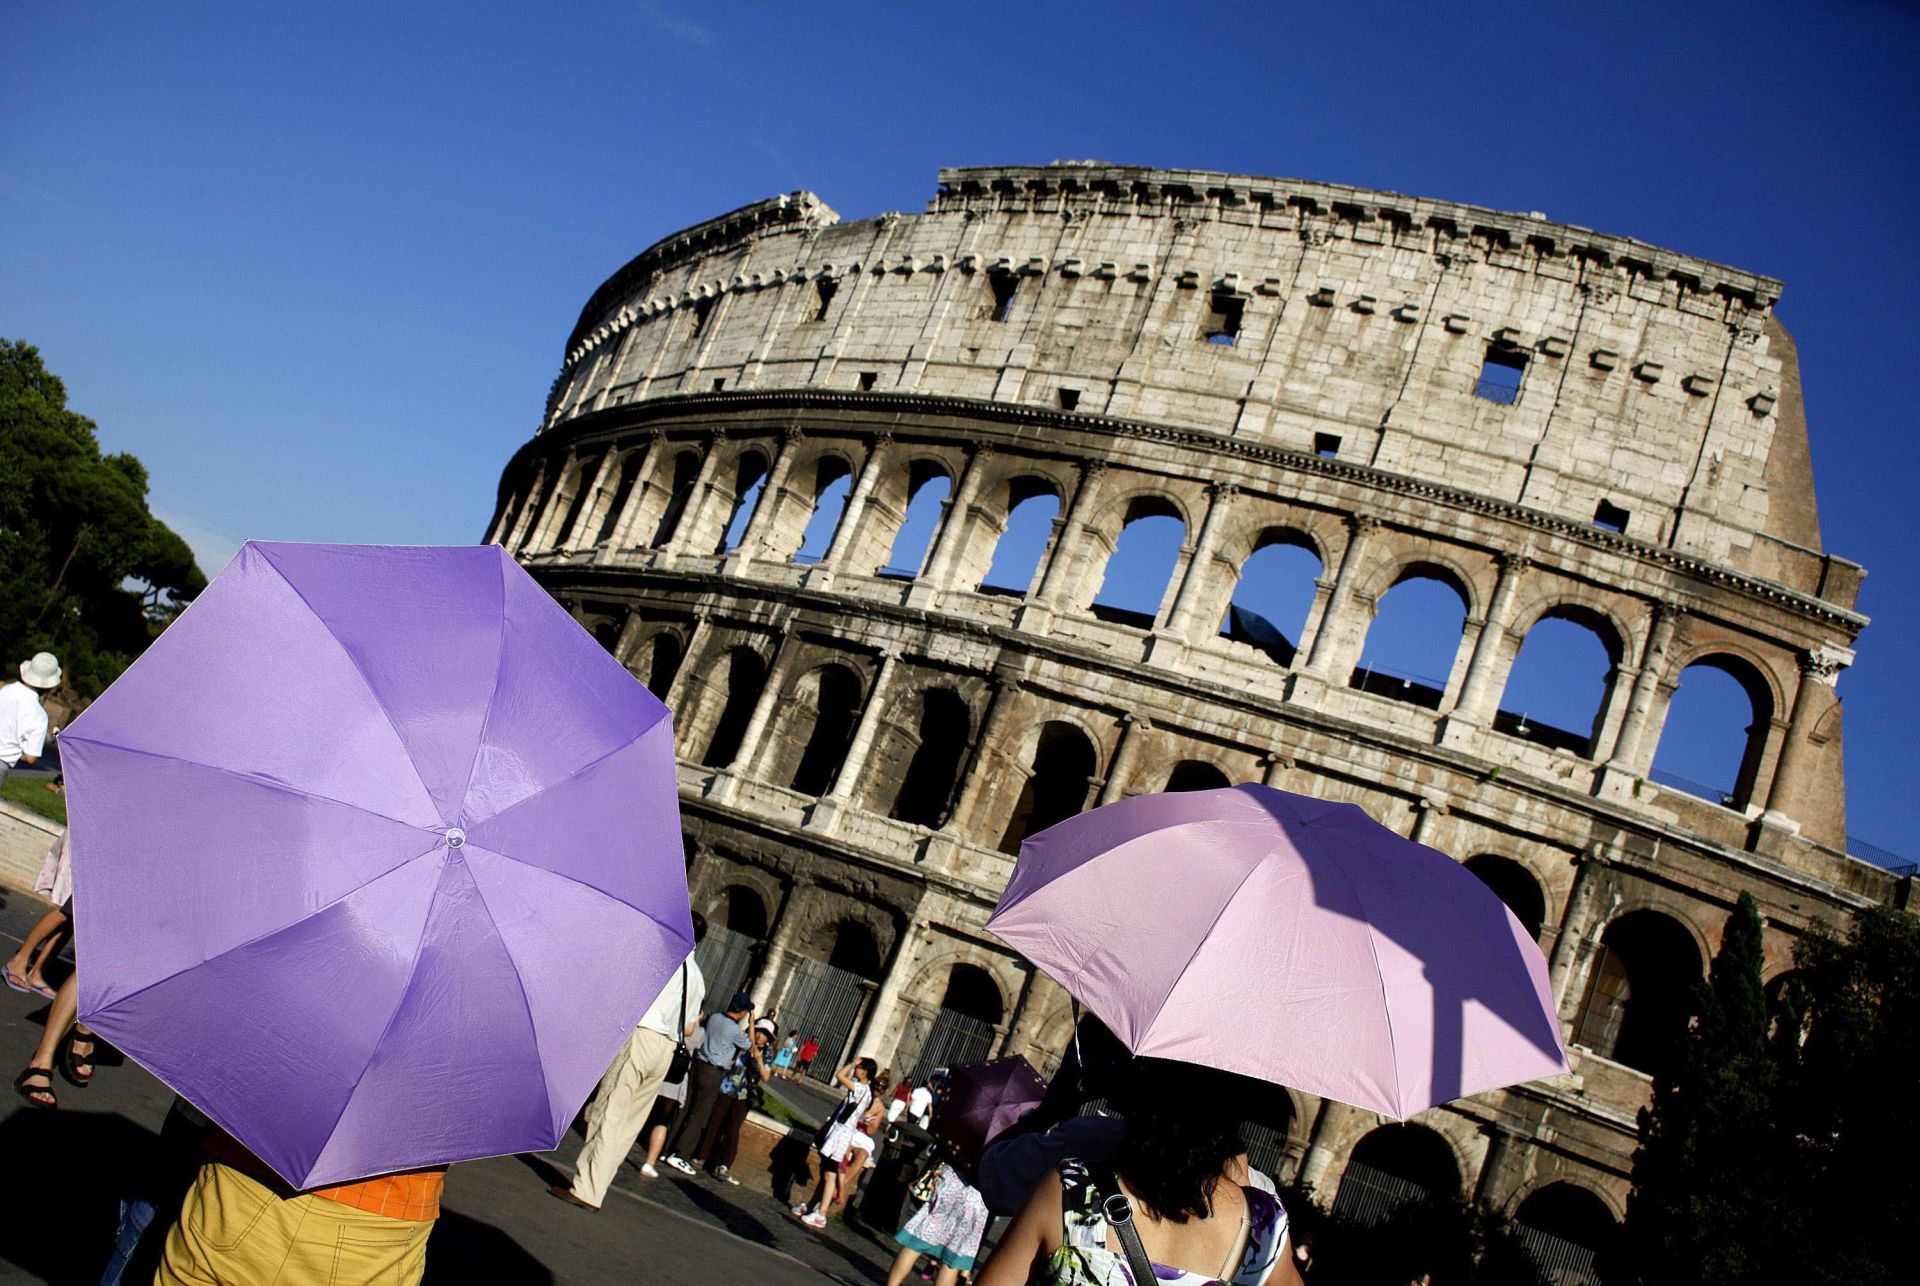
1083,1258
949,1227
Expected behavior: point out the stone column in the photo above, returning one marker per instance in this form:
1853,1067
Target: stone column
642,483
1319,1157
772,491
591,504
1334,622
548,533
865,731
530,504
1572,927
751,749
1133,730
886,1001
693,517
856,510
1004,696
1819,671
1193,587
953,528
1626,765
1063,557
675,690
1476,691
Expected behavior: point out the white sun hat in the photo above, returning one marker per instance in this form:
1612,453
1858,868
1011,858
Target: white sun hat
41,672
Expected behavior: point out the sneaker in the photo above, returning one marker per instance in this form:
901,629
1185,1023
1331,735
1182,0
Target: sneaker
646,1168
680,1165
799,1212
814,1219
728,1176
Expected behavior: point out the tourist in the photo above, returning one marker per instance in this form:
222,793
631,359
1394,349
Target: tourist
836,1137
1176,1175
769,1023
726,1040
902,1096
672,1097
783,1059
860,1153
625,1097
64,1042
241,1223
920,1106
809,1050
23,717
25,971
947,1229
739,1094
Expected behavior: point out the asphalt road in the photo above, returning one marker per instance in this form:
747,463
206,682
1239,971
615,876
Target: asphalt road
69,1167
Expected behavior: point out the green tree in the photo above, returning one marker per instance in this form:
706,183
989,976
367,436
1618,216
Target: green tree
1713,1184
86,572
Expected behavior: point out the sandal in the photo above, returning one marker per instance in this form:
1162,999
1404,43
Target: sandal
17,981
28,1092
72,1062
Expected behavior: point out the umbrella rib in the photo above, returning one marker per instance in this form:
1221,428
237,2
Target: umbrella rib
1202,942
354,661
617,901
1386,997
519,981
268,933
255,779
499,658
589,766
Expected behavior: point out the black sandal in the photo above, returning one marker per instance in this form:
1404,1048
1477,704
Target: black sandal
70,1063
27,1092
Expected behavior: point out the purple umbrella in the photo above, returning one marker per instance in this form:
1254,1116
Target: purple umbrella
982,1100
1286,938
377,858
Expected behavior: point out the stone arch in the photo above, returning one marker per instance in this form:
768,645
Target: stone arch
1275,583
929,489
1702,756
856,949
746,487
625,480
973,991
932,779
1060,777
822,708
1412,643
1537,677
1396,1165
741,909
1571,1230
1142,560
746,676
1196,774
1639,996
657,661
1515,885
679,473
804,522
1021,536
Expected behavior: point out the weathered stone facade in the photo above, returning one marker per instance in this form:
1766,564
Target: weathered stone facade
1553,422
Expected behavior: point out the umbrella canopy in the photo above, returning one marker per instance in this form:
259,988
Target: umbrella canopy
982,1100
1286,938
377,858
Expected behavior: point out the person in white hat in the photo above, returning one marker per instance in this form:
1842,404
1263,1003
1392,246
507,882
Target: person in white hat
23,723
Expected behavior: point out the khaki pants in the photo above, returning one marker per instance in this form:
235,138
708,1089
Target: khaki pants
234,1230
619,1109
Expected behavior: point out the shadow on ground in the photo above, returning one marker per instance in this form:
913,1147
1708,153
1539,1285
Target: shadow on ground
465,1250
77,1164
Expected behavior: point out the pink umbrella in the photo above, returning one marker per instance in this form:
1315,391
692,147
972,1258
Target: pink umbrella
377,858
1286,938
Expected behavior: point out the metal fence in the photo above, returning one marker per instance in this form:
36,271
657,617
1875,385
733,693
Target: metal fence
1368,1195
724,958
1561,1262
941,1040
823,1002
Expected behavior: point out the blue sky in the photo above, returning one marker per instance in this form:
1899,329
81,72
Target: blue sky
316,265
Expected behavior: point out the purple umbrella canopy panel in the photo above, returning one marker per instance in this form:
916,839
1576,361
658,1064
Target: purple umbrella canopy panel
1289,939
377,858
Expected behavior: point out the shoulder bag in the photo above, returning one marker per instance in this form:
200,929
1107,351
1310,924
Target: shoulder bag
682,1059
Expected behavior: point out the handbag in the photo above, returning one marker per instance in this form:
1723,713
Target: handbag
840,1116
682,1060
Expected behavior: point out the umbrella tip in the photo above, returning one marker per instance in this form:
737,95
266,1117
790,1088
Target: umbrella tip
455,837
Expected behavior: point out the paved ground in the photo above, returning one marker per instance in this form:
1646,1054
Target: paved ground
69,1167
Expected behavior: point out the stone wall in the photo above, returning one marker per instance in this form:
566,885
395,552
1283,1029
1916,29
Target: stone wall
24,840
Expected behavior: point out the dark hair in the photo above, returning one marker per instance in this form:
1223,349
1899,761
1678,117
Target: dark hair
873,1068
1183,1126
699,927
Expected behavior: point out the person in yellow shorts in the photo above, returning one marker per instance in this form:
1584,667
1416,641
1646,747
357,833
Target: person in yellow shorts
241,1223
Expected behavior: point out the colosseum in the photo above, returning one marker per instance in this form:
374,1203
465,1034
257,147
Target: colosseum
845,495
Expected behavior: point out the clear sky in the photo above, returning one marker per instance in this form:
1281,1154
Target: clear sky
315,265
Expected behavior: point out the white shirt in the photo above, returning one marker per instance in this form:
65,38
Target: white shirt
921,1105
663,1015
23,724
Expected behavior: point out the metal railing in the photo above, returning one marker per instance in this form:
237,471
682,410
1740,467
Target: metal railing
823,1002
724,958
1559,1262
1688,786
1368,1195
941,1040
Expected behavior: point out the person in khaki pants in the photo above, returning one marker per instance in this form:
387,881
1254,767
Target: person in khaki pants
625,1098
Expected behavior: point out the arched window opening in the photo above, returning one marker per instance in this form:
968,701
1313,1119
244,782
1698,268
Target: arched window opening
746,912
1274,595
855,950
829,699
1571,1235
1142,563
1414,638
538,502
1640,999
750,479
1395,1166
665,652
1715,732
1063,766
832,482
1556,693
686,472
582,492
622,492
1033,505
1514,885
1195,774
928,487
1267,1122
933,774
746,675
607,634
1787,1008
972,991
